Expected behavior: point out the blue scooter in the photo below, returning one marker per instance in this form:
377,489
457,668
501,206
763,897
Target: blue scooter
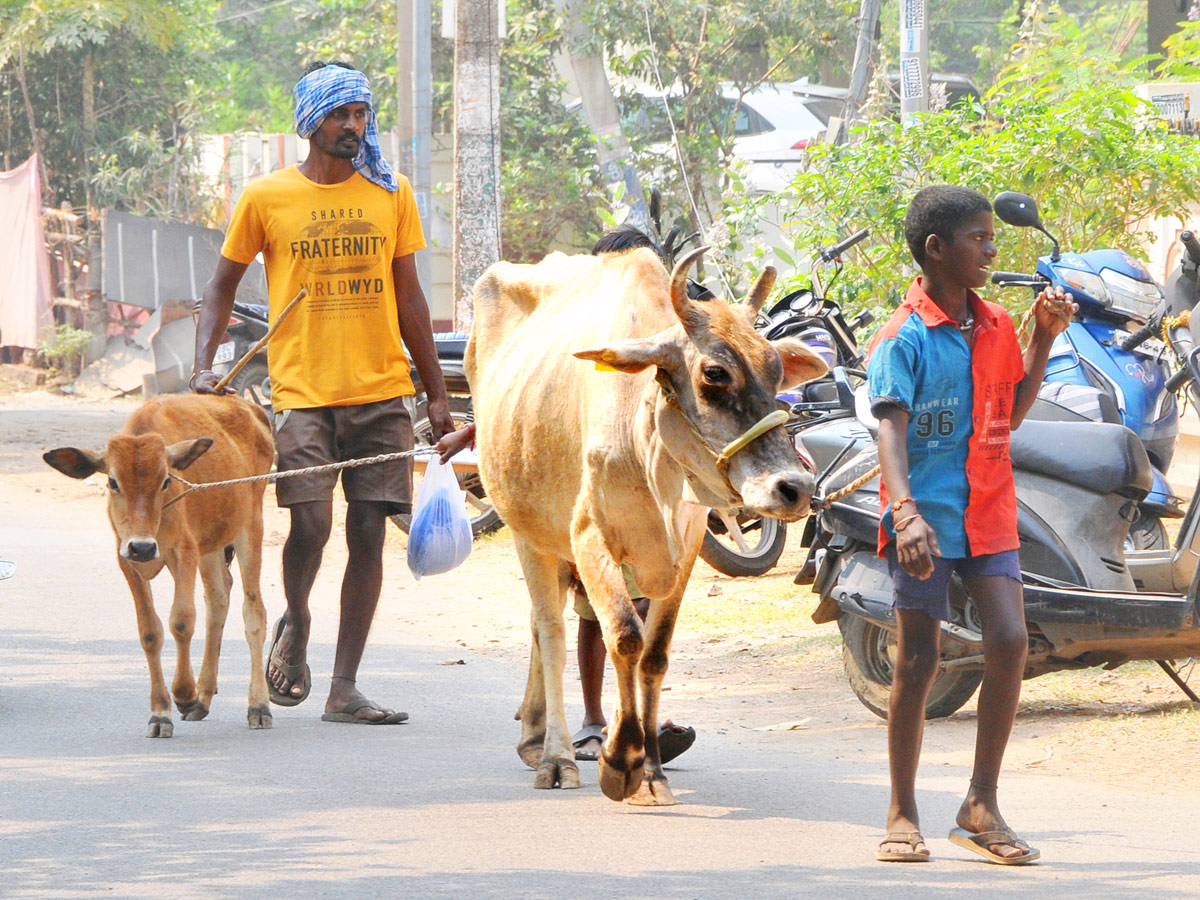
1098,370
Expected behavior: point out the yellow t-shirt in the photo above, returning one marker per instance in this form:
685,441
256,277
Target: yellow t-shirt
341,344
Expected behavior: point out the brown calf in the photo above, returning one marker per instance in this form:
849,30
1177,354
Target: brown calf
214,439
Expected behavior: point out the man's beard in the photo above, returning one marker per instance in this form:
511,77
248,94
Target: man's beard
341,149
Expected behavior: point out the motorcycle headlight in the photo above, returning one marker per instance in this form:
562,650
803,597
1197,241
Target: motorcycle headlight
1128,295
1087,283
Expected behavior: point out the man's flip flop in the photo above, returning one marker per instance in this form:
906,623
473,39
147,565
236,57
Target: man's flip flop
672,743
295,673
582,736
983,841
348,717
911,838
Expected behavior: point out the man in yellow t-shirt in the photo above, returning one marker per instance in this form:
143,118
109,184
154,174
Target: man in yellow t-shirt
343,226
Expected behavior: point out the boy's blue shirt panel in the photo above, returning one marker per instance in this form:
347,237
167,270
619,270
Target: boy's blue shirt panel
927,373
960,404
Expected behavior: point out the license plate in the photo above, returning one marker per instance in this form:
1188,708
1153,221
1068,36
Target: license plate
224,353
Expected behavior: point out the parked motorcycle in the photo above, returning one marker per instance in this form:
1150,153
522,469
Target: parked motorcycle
1097,371
1089,599
743,544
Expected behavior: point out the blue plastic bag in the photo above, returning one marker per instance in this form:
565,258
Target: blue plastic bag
439,538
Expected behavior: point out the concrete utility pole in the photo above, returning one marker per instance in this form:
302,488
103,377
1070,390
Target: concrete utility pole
603,118
476,149
914,60
413,114
865,58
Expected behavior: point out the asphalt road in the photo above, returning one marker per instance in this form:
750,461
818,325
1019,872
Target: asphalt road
441,806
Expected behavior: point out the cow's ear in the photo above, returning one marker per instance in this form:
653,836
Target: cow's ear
633,355
184,453
74,462
800,364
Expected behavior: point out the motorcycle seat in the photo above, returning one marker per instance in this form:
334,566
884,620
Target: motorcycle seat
1105,458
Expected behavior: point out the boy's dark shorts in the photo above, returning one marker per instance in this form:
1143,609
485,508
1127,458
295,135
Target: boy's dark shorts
932,596
327,434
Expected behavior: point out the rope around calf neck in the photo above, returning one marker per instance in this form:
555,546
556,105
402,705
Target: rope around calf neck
290,473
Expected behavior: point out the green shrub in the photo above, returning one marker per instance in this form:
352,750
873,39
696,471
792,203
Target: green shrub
63,347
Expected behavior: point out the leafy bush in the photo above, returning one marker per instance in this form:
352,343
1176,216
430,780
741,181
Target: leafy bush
63,347
1076,138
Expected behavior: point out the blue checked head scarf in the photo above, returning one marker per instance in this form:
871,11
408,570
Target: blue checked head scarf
325,89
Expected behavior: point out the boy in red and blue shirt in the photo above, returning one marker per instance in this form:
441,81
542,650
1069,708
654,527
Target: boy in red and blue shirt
948,381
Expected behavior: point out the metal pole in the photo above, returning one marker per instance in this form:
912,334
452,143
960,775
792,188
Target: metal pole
864,58
914,60
476,150
404,87
423,133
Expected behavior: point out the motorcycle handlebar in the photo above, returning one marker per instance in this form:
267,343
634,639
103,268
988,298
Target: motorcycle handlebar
1015,278
1139,337
1188,239
1178,380
831,253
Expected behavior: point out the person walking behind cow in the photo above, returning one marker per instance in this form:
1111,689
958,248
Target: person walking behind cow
947,382
343,226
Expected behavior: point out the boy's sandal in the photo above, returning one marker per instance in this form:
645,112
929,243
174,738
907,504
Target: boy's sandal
982,843
912,838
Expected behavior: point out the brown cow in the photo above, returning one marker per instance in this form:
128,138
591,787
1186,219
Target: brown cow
616,467
214,439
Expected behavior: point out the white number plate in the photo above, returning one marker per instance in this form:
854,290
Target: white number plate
224,353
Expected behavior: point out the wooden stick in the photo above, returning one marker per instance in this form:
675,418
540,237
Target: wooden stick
262,342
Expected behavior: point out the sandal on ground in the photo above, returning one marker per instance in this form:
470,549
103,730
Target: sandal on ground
295,673
912,838
584,735
982,843
674,740
348,717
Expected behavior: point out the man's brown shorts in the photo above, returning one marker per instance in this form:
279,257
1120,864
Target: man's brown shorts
327,434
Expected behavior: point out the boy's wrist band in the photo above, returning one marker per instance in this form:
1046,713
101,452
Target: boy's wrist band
903,523
899,503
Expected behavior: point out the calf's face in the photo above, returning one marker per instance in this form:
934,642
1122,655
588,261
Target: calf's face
724,377
138,483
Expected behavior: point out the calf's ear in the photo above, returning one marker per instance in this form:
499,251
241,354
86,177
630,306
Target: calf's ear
633,355
800,364
74,462
184,453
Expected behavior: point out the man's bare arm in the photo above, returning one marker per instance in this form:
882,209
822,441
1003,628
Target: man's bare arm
214,318
417,331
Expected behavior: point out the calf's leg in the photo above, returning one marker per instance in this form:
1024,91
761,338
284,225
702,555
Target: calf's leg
248,547
546,578
150,633
217,582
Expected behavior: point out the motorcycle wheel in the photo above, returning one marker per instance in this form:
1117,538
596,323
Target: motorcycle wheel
757,552
1148,533
867,651
253,383
482,515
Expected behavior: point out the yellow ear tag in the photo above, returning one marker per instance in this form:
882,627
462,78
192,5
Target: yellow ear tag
605,367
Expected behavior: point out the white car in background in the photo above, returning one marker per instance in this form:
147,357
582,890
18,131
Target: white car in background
772,129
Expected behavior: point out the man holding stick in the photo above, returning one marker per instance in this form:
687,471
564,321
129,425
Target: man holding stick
344,228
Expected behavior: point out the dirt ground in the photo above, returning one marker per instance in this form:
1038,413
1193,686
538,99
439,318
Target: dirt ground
746,655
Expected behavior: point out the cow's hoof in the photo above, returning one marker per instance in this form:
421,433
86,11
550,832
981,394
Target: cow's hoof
259,717
195,712
530,750
557,773
616,783
653,792
160,727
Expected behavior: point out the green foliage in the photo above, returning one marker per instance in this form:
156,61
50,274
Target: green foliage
63,347
1095,159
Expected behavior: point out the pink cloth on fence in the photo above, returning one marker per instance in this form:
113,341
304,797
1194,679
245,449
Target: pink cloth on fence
25,293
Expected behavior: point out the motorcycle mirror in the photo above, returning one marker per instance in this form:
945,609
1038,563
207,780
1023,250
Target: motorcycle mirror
1017,209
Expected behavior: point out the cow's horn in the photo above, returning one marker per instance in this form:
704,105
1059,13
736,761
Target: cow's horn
762,287
679,295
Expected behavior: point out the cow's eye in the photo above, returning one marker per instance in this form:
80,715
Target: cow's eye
716,375
113,486
166,482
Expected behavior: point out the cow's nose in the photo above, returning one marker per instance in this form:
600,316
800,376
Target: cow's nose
792,489
142,551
